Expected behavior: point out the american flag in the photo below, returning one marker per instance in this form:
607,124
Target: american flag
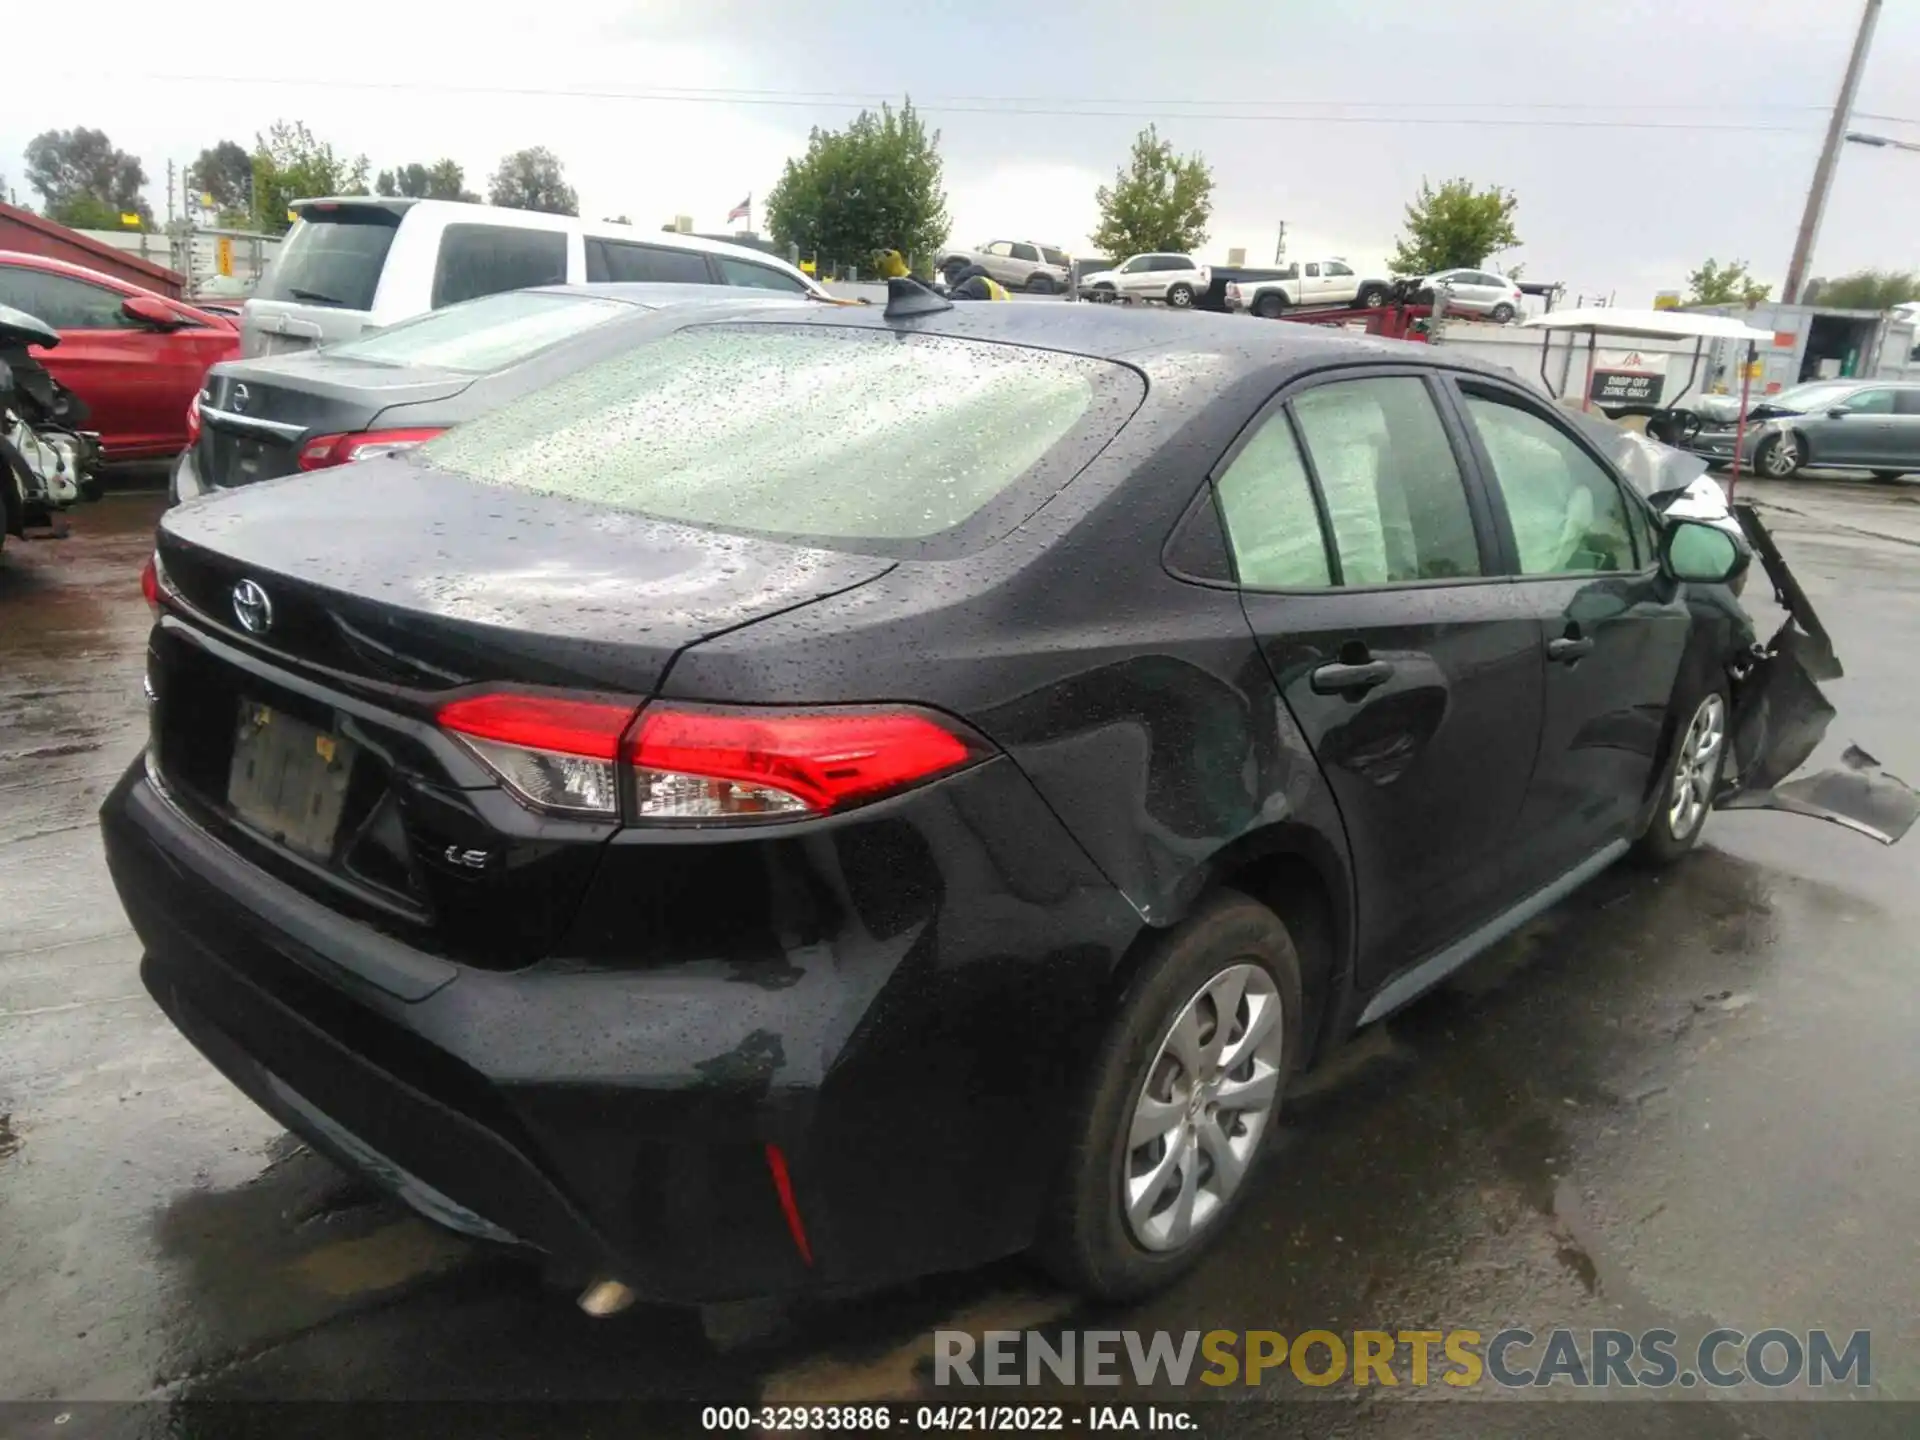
740,211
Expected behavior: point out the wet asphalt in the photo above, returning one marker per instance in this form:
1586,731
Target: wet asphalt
1684,1099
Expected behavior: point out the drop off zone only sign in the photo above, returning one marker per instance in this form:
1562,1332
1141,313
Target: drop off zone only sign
1628,377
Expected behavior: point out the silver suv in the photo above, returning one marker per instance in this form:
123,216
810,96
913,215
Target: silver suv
1016,264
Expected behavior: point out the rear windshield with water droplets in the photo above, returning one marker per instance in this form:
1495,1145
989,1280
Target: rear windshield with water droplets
878,440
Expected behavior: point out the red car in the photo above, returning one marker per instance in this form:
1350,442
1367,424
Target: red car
136,358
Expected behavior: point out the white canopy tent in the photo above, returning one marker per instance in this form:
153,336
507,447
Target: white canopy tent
1595,321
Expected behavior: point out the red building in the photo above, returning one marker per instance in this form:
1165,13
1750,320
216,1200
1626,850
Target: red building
37,235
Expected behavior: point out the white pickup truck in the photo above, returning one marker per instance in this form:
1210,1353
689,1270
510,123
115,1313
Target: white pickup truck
1326,281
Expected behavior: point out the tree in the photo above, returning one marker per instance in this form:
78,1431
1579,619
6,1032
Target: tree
290,164
873,186
1158,201
442,180
84,181
1866,290
532,179
1714,284
1454,227
225,173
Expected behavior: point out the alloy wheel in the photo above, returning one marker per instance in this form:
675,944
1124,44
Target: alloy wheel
1782,457
1696,767
1202,1108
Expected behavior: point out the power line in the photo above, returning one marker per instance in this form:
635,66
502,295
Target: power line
666,96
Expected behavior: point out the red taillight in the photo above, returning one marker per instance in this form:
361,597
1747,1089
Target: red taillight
324,451
704,763
555,753
150,585
711,764
193,421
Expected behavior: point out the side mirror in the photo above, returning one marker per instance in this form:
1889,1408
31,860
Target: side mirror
1838,412
151,311
1705,554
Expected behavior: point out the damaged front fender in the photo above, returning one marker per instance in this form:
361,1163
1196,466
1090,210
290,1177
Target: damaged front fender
1780,717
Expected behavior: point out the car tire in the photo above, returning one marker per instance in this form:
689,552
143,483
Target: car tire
1270,305
1778,457
952,268
1231,948
1104,294
1501,314
1887,477
1180,295
1039,284
1371,298
1694,765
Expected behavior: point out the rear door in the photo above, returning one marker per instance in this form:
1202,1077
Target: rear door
1904,431
997,261
321,284
1369,573
1611,629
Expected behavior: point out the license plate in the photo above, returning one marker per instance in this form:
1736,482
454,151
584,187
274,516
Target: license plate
288,779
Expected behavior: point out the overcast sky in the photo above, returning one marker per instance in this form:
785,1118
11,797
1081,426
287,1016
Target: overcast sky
1324,116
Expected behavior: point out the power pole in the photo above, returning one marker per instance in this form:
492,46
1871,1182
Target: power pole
1280,243
1829,157
169,192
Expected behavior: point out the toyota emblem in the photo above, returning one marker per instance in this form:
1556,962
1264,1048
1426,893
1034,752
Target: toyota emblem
252,608
238,400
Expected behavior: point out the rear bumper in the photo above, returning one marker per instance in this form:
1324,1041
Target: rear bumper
916,1080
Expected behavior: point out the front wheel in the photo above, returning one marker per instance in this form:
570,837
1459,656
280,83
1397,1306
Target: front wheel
1371,298
1180,296
1693,779
1179,1104
1102,293
1778,456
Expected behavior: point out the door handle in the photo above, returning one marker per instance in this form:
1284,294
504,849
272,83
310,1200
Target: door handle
1347,679
1567,649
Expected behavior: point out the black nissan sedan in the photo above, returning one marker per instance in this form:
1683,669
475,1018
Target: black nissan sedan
818,797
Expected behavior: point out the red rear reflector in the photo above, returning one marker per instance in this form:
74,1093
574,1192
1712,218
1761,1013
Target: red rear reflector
783,1187
697,764
324,451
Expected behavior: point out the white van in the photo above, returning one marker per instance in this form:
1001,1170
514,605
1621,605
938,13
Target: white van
357,261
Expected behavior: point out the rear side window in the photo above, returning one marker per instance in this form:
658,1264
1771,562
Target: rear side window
335,261
1906,402
619,262
1025,252
1266,503
1053,257
480,260
876,440
759,277
1392,487
481,336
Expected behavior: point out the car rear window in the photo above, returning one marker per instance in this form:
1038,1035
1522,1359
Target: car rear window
483,335
332,258
901,444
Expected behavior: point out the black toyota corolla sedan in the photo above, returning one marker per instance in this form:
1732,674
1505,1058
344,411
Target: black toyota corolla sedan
814,798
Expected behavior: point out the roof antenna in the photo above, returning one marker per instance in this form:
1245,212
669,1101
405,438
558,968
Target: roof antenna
907,298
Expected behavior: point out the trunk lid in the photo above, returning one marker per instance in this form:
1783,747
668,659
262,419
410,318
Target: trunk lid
256,414
393,572
388,584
